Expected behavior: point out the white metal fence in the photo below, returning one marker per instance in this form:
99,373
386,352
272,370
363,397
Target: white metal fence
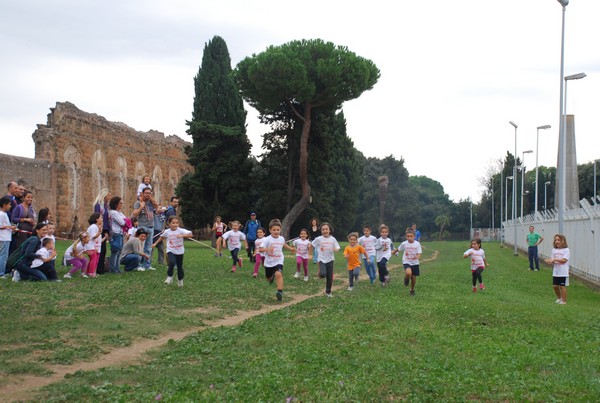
582,230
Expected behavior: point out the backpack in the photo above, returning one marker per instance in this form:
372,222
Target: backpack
18,254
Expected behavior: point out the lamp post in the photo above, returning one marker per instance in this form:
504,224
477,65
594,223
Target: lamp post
523,178
562,152
514,200
546,195
537,143
506,198
561,135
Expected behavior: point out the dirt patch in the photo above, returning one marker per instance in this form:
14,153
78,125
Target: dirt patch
24,387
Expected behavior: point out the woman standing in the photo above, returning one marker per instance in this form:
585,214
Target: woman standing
25,218
314,231
117,221
101,206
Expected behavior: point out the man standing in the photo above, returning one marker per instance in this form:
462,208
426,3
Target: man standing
144,210
533,240
250,230
172,209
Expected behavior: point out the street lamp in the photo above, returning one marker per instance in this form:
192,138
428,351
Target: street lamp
514,200
506,198
546,195
523,178
562,154
537,143
561,135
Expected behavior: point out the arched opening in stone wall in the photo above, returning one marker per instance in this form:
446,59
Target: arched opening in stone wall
98,171
156,181
122,172
72,161
173,181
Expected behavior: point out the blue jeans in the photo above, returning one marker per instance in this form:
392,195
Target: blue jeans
4,247
131,261
27,273
370,267
532,251
116,246
145,263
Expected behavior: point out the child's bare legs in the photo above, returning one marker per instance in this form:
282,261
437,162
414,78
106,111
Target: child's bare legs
561,292
279,280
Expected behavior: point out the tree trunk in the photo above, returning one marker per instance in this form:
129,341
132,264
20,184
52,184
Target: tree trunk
301,204
383,193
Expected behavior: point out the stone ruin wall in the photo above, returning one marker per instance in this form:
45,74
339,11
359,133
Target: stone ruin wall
79,153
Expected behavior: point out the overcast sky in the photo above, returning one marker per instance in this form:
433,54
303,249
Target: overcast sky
453,73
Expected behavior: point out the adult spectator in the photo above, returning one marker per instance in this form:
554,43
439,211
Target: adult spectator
417,233
144,210
314,230
250,230
172,209
117,221
44,216
13,194
533,240
30,247
133,251
25,218
101,206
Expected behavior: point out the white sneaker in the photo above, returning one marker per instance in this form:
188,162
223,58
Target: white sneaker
16,276
329,295
169,280
180,283
140,269
350,288
67,275
151,268
562,302
84,275
305,278
297,274
558,301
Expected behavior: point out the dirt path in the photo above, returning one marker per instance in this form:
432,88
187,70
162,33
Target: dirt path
23,387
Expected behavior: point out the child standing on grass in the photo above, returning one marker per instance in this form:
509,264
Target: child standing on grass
478,263
6,230
233,238
259,258
560,272
273,246
75,256
303,247
95,244
410,259
384,247
352,254
326,246
174,237
368,241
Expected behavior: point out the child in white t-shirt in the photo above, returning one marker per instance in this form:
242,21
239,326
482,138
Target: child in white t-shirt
368,241
174,237
145,184
303,249
410,259
75,255
131,231
326,246
560,272
478,263
233,238
384,247
6,230
258,256
45,254
273,246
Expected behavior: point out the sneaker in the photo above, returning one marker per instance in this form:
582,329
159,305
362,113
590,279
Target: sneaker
169,280
140,269
84,275
383,283
537,270
150,268
3,277
474,289
350,288
481,286
372,280
233,269
240,262
180,283
412,293
406,281
305,278
254,275
16,276
297,274
279,296
216,254
220,255
562,302
387,279
558,301
67,275
328,294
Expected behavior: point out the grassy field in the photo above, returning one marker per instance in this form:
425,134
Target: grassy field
510,342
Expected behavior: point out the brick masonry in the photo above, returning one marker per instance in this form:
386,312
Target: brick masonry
79,153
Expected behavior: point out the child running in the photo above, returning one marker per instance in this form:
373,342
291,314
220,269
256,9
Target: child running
303,248
368,241
352,254
410,259
273,246
174,237
560,272
259,258
478,263
233,238
326,246
384,247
